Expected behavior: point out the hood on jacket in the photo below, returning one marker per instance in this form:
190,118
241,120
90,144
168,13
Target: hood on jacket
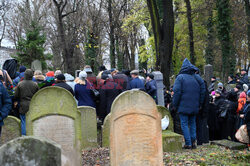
28,74
187,67
22,69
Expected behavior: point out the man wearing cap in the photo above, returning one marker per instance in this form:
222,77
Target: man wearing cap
243,77
60,82
91,77
151,86
136,83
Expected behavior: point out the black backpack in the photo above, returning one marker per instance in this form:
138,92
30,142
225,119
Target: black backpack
224,109
10,66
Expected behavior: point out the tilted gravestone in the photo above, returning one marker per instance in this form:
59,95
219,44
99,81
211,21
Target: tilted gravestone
106,131
10,130
171,142
135,130
53,114
36,65
158,77
208,73
30,151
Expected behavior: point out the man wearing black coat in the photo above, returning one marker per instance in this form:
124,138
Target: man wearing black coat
60,82
108,92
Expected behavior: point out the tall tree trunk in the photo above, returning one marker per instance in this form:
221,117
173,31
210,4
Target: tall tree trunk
111,35
67,54
164,36
209,54
247,9
155,19
168,40
191,33
119,54
224,30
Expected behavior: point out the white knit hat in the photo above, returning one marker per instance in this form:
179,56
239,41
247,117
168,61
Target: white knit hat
82,75
245,87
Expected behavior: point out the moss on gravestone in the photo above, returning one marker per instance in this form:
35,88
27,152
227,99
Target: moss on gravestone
171,142
30,151
10,130
106,131
164,111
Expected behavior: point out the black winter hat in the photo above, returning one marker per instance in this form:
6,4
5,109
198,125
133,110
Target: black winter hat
60,77
151,76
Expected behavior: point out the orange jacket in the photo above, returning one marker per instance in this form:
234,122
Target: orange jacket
241,103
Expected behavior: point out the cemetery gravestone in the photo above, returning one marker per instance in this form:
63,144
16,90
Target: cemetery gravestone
106,131
158,77
132,140
36,65
10,130
53,114
208,73
89,126
171,142
30,151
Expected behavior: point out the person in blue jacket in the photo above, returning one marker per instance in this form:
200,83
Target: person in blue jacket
5,104
150,86
136,82
189,93
83,92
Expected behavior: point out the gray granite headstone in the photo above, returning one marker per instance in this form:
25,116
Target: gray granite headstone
158,77
30,151
208,73
229,144
36,65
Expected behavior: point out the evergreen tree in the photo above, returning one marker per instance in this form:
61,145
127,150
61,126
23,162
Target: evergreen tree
224,29
31,47
91,51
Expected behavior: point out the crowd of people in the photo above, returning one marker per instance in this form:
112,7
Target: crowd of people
200,112
88,90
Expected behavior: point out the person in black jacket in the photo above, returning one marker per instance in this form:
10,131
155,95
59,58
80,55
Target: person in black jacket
202,120
218,103
150,87
60,82
108,92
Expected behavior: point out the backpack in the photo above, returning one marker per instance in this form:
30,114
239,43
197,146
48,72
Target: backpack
224,109
10,66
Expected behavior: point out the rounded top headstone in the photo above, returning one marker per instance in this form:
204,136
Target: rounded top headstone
131,101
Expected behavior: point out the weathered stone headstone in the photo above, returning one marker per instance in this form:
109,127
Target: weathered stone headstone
36,65
229,144
53,114
30,151
106,131
10,130
135,130
89,126
158,77
165,112
171,142
208,73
